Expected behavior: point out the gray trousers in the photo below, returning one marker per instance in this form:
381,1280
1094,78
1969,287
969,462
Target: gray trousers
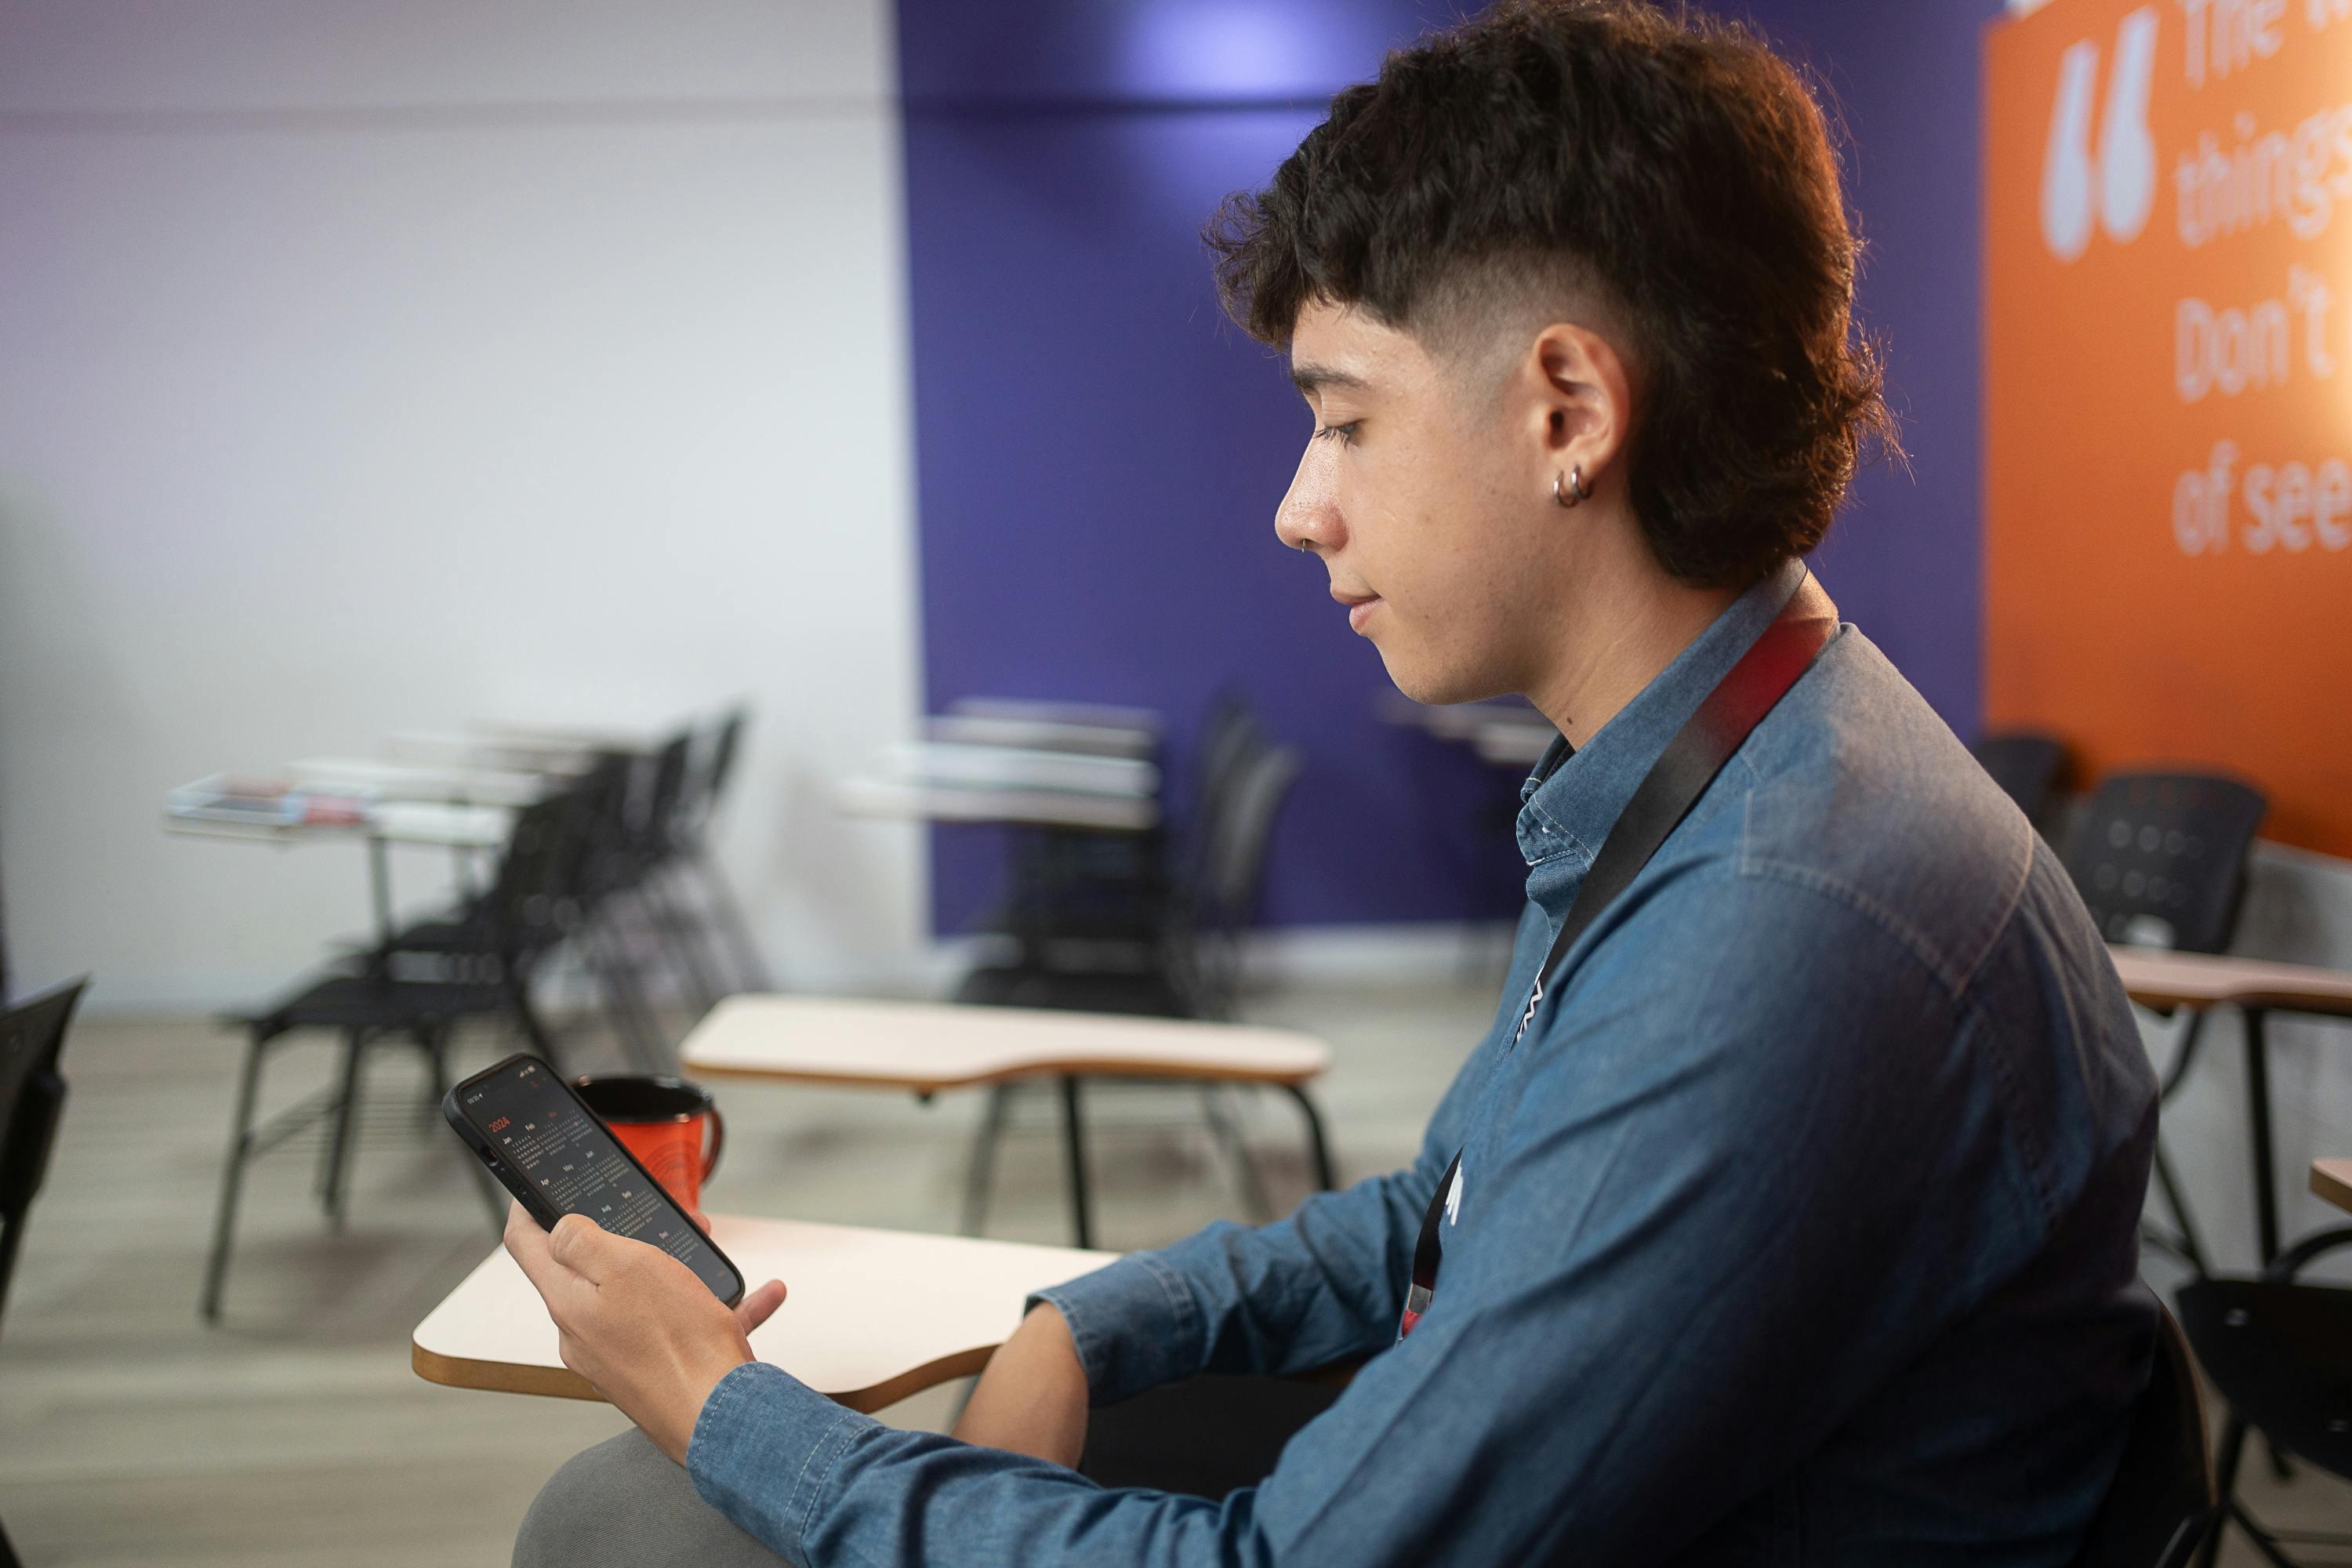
624,1503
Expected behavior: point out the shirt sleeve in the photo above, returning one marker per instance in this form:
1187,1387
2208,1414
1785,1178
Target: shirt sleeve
1322,1286
1325,1285
1722,1207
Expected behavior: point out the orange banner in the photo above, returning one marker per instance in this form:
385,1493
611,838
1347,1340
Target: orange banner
2168,390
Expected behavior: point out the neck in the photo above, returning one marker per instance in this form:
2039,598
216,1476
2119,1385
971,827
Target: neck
1604,658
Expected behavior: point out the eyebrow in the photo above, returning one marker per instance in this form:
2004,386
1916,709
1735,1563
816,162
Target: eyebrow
1311,378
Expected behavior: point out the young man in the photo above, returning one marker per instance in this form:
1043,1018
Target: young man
1788,1213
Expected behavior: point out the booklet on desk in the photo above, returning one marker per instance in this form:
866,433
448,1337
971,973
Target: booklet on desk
267,803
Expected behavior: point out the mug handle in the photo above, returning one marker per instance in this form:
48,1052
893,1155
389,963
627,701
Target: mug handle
718,1142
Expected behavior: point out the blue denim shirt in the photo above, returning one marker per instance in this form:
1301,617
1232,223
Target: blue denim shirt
1799,1228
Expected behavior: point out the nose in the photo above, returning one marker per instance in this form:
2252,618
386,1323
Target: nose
1308,517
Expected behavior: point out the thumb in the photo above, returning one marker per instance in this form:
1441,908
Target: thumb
581,1245
759,1306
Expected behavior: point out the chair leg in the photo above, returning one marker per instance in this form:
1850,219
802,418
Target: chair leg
981,1173
623,1002
339,1147
670,923
1228,1133
1319,1149
728,914
2225,1484
535,1031
240,1139
436,1062
1073,1139
2168,1181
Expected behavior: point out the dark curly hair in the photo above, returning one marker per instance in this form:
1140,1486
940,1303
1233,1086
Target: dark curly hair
1670,164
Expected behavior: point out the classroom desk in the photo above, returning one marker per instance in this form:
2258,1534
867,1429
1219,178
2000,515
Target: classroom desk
866,796
2156,977
922,1047
556,756
1023,710
446,785
1041,735
434,824
874,1315
2332,1180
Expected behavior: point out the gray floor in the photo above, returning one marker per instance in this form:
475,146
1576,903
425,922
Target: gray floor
295,1432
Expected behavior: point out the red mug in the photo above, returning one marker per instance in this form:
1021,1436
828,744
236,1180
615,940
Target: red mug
664,1122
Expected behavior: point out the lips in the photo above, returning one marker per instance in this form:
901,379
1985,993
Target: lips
1360,607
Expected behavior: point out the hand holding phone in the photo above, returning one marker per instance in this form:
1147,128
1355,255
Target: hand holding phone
548,1148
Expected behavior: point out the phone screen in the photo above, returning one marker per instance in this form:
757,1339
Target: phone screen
551,1145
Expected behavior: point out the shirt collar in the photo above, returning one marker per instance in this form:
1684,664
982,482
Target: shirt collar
1572,799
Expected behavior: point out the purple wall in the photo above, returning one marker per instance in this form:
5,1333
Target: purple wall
1905,561
1098,454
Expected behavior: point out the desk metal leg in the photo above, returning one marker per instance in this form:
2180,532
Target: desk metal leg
380,887
1317,1147
1073,1134
981,1175
2258,1107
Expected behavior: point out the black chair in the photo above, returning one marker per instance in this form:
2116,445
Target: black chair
2160,1505
2027,766
32,1101
372,999
1185,964
1080,897
2163,856
689,831
2160,860
539,899
2279,1352
631,876
1186,967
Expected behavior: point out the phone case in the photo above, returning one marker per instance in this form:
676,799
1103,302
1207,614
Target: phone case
533,1204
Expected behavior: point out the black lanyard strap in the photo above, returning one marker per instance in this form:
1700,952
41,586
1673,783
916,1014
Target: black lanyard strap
1772,664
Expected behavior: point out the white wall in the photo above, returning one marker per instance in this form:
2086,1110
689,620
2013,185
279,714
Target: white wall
374,365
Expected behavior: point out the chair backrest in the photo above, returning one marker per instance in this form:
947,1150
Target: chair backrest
541,870
666,790
2156,850
2025,764
32,1099
1238,859
2161,1503
1229,741
726,744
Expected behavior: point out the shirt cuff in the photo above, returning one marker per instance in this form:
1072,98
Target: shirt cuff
1135,1323
763,1448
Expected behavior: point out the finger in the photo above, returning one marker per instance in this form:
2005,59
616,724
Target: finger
582,1245
530,1246
759,1306
526,1243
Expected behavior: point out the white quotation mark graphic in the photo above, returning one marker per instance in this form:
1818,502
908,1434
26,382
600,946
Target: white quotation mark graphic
2120,182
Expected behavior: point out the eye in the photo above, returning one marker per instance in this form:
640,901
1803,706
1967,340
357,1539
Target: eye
1343,433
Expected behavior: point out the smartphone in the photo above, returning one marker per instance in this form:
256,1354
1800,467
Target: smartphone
547,1148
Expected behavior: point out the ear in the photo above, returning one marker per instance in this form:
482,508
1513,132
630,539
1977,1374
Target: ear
1581,404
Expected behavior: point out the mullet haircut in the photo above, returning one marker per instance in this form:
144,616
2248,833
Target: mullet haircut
1671,165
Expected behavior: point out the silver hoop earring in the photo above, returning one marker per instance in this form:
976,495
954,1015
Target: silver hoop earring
1575,489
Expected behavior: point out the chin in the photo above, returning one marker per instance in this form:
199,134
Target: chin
1438,686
